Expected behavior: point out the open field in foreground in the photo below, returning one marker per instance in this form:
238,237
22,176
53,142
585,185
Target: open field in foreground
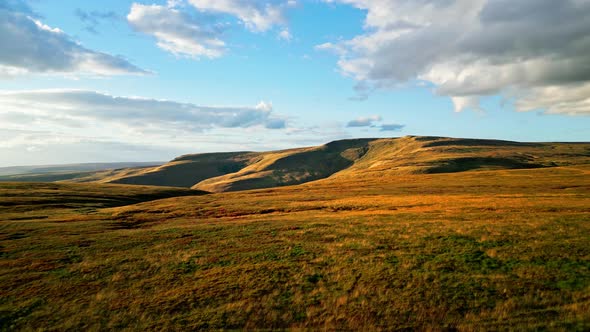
489,250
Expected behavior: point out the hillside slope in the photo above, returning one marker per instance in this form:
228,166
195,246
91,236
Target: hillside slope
290,167
220,172
416,155
183,171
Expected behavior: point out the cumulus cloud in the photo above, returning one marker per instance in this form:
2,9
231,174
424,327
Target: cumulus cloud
364,121
178,32
29,46
194,28
256,15
531,51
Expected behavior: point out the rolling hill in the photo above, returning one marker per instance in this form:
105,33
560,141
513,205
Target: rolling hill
219,172
235,171
411,233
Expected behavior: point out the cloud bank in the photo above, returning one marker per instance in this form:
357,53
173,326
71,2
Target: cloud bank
177,32
29,46
53,126
66,109
533,52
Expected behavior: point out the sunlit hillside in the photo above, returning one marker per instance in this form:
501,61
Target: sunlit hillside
488,250
220,172
396,156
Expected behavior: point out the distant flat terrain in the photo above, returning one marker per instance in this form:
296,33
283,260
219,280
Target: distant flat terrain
52,173
371,248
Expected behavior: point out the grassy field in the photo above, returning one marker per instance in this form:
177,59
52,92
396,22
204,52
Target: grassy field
489,250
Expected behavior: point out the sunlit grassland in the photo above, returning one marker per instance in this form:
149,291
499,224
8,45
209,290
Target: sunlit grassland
478,250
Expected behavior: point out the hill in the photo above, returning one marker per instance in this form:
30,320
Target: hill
405,250
220,172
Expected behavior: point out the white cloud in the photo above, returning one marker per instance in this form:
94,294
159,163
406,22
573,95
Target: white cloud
337,49
80,113
526,50
184,31
30,46
256,15
264,106
372,122
364,121
176,31
572,100
285,35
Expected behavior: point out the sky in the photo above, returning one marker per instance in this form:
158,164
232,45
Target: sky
119,80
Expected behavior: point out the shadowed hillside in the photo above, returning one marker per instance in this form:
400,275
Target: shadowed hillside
187,170
233,171
18,198
290,167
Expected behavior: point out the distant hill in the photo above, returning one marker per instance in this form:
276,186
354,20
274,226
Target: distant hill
51,173
358,158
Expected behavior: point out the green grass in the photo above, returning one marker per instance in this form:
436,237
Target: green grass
497,250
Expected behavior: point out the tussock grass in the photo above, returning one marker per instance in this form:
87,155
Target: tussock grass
494,250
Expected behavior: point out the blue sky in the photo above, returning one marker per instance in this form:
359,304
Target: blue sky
89,81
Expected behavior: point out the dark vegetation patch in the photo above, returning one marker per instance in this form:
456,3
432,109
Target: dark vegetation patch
473,163
480,142
305,166
44,177
22,197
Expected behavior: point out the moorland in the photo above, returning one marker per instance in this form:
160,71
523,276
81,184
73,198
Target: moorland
372,234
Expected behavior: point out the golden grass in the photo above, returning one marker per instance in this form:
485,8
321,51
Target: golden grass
221,172
495,250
